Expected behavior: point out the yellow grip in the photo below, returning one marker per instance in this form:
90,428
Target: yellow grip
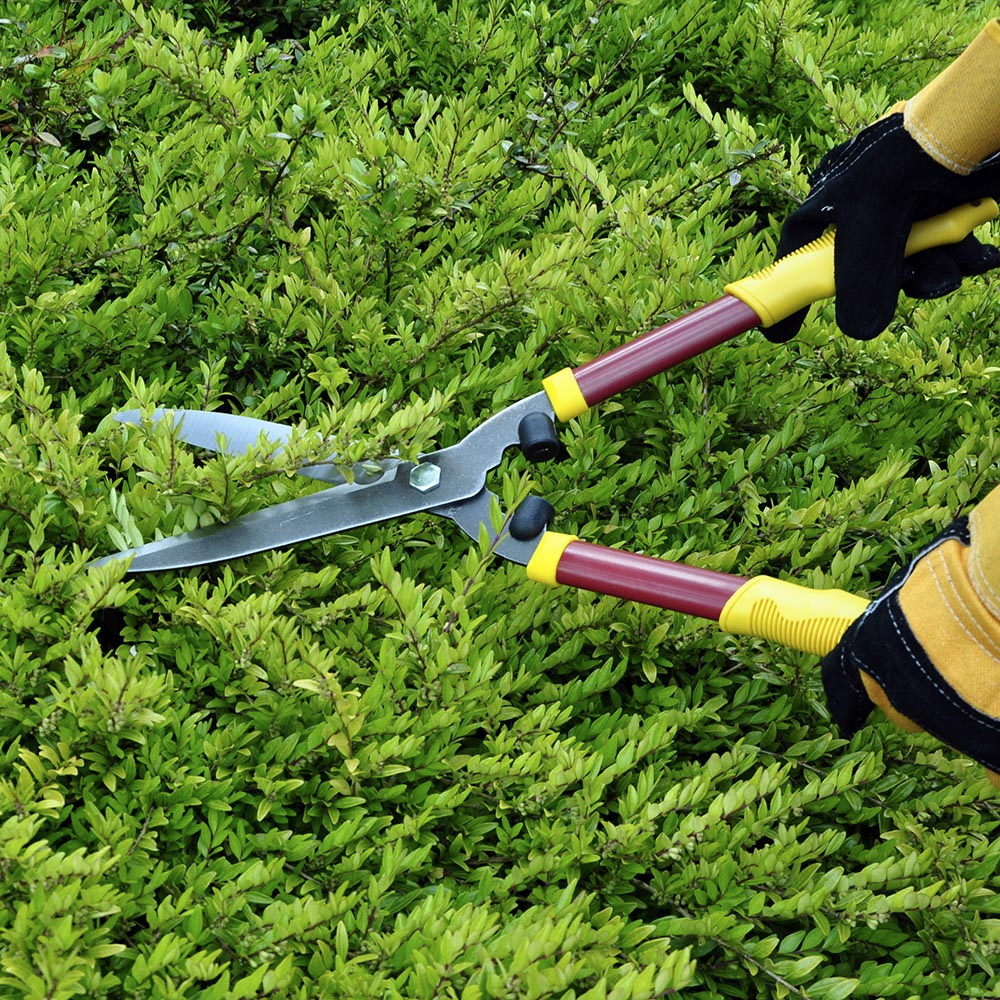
806,276
545,561
564,394
799,617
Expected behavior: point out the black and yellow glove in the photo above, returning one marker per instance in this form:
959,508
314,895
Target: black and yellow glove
927,650
934,152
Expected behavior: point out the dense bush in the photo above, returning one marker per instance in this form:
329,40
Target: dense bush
382,765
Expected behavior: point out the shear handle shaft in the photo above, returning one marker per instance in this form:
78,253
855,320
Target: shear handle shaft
572,392
798,617
562,559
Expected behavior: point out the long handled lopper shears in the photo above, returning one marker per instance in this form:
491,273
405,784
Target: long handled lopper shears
452,482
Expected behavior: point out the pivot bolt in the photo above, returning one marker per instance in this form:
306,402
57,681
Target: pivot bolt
425,476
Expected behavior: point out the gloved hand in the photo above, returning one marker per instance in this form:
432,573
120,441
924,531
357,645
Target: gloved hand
873,188
927,650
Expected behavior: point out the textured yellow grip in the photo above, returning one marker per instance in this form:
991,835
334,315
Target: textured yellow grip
799,617
806,275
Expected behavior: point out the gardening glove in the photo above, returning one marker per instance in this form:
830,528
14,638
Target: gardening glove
935,153
927,650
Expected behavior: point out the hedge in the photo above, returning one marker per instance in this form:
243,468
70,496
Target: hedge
385,764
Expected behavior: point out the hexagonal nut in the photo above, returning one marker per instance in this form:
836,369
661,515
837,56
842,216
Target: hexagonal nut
425,477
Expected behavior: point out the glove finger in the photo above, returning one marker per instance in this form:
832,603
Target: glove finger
936,272
785,329
930,275
868,263
804,225
973,257
846,696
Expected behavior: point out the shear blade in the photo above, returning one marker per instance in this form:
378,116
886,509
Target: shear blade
301,520
337,509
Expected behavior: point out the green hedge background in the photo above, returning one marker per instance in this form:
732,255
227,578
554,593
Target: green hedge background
383,765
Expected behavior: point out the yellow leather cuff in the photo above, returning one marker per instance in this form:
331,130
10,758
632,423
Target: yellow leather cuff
956,117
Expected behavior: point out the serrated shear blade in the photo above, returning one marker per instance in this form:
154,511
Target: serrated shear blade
328,512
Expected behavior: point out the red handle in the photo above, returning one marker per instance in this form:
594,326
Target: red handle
798,617
670,585
664,347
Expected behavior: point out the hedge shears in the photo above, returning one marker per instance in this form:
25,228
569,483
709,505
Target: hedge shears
451,482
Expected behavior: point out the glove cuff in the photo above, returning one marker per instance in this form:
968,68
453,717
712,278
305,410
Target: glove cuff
954,117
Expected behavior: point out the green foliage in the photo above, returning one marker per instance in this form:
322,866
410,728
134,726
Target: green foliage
382,765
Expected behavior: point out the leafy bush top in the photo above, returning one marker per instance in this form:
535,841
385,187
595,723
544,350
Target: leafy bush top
382,765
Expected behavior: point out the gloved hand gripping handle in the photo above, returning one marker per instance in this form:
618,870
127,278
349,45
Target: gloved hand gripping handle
806,275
